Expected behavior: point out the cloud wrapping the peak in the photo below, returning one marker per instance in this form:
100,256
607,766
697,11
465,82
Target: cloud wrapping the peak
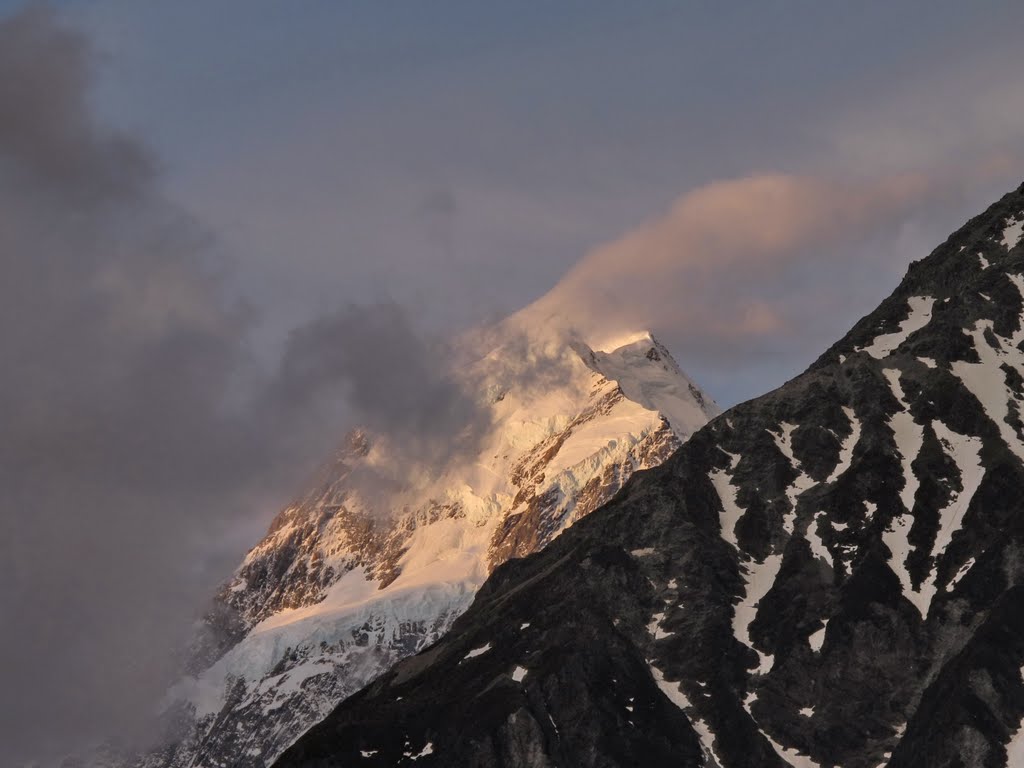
729,263
387,378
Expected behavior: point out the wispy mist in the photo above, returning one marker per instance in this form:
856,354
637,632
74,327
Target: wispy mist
738,267
141,441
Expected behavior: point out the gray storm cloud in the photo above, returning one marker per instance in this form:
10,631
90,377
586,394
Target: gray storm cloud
138,433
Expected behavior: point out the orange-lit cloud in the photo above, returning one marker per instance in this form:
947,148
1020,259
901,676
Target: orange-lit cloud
709,264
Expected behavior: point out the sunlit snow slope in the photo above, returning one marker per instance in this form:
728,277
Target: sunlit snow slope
346,582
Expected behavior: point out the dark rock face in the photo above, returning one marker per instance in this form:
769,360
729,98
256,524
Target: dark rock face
831,574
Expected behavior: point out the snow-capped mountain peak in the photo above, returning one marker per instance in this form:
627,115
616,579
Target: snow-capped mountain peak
647,374
347,582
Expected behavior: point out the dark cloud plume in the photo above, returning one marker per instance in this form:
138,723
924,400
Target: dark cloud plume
394,381
369,362
138,435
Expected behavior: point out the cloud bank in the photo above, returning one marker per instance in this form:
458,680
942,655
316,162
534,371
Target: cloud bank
143,445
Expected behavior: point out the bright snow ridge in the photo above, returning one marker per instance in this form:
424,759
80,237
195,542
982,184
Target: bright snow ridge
648,376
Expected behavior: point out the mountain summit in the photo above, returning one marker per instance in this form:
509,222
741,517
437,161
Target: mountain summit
830,574
378,559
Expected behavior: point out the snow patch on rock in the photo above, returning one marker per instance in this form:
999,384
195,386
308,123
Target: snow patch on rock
477,652
920,308
847,447
675,694
784,440
817,638
1012,232
758,578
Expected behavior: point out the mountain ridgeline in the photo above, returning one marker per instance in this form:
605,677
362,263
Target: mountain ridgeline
828,575
378,558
